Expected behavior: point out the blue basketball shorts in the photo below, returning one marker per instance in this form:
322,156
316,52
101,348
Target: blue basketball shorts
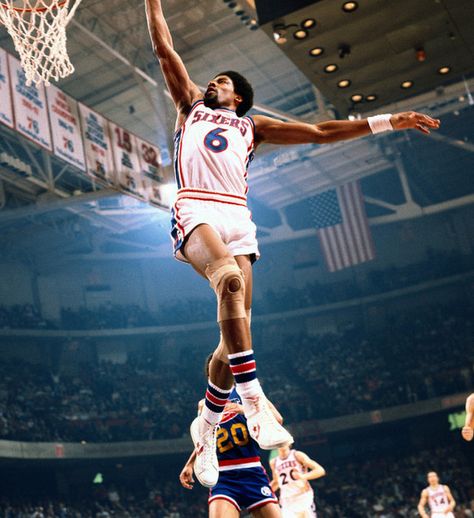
247,488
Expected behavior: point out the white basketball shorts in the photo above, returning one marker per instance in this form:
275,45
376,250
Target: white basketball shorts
232,222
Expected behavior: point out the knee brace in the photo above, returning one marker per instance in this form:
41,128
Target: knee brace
227,280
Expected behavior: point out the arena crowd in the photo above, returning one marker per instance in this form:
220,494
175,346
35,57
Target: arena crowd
306,376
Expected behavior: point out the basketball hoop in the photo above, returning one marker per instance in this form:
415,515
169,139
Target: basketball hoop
38,30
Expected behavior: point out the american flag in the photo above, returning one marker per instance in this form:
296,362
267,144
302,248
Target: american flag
343,229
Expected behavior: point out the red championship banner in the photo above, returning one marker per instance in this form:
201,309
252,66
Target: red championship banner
65,127
29,105
97,146
127,162
151,171
6,109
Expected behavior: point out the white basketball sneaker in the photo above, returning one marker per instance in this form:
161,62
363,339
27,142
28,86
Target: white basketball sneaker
262,424
206,467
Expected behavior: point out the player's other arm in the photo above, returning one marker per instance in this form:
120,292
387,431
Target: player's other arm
182,89
186,475
273,131
468,430
451,501
422,504
274,483
315,469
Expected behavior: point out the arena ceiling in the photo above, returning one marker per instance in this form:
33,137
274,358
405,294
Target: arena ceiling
117,75
367,54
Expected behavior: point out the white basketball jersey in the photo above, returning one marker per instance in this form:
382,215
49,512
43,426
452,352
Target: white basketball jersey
438,499
292,490
213,149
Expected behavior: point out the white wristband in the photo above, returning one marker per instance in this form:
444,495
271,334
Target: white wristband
380,123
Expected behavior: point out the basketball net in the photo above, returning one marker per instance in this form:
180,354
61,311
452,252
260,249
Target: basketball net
38,30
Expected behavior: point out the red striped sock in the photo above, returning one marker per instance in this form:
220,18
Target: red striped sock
216,399
244,369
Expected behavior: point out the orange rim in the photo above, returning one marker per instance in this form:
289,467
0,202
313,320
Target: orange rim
38,10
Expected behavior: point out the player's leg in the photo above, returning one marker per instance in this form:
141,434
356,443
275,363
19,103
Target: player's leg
221,508
261,422
270,510
231,280
219,367
207,253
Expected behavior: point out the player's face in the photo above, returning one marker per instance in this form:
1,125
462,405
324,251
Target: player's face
220,92
433,479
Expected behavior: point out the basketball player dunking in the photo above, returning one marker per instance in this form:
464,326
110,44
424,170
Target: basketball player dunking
438,497
468,429
212,227
292,471
243,482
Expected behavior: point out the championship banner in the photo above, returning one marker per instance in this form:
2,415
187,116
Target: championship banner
127,162
97,146
6,110
29,105
151,171
65,127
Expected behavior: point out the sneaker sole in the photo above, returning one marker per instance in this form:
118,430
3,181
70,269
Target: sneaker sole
276,445
194,436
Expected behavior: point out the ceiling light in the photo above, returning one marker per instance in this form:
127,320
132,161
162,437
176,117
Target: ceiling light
350,7
371,98
253,24
309,23
279,38
357,98
279,34
444,70
344,83
329,69
300,34
407,84
317,51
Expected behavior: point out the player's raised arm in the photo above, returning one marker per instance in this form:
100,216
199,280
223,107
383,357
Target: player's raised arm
422,504
274,131
468,430
183,91
315,469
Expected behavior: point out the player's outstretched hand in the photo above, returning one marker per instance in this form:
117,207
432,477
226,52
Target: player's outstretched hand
467,433
186,477
414,120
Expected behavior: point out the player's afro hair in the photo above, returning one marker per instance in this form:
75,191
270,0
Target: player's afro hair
243,88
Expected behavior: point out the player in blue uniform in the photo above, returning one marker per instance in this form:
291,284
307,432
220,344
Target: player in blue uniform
243,482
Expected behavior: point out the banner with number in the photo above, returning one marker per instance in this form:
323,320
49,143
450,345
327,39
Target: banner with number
29,105
65,127
127,161
151,171
6,110
80,136
97,146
